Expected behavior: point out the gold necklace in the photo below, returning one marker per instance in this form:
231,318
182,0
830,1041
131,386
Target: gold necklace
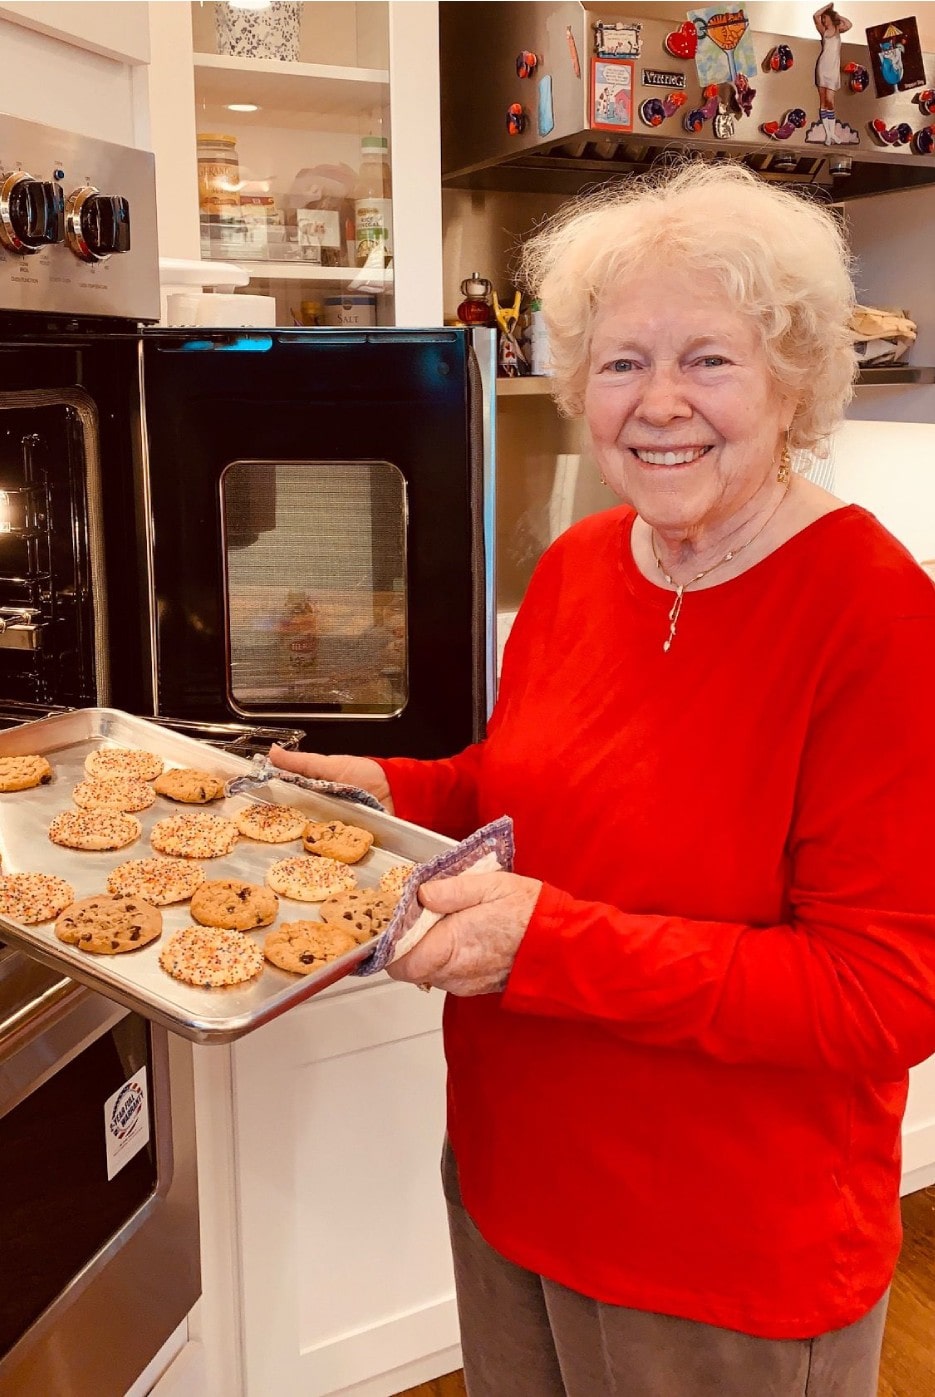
681,587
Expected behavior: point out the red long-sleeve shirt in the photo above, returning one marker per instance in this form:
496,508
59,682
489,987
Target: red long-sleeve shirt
688,1099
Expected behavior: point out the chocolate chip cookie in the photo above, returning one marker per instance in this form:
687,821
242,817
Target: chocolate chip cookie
22,773
109,926
189,786
335,840
363,912
227,902
304,947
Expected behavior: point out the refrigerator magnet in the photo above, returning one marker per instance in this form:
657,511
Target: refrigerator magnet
611,94
622,39
896,56
545,117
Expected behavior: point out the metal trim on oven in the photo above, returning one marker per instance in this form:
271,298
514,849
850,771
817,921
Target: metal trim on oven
144,523
293,712
484,345
35,1043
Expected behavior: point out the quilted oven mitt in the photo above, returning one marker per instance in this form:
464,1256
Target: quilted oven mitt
485,851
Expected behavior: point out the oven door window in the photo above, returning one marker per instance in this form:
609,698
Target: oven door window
316,607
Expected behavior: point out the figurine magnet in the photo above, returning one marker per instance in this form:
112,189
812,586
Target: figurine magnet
858,79
725,48
793,121
526,63
899,135
830,25
694,120
655,110
779,59
515,119
923,142
926,101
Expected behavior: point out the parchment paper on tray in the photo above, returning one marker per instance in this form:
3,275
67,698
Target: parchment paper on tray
485,851
264,771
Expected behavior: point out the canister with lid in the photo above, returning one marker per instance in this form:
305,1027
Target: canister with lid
218,174
350,310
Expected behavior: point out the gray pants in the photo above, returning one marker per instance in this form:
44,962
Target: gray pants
525,1336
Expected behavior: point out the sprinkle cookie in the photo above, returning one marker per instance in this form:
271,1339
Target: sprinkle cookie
238,906
304,947
273,824
123,761
190,786
109,926
210,957
392,880
113,793
94,829
31,898
22,773
156,881
194,835
335,840
309,880
363,912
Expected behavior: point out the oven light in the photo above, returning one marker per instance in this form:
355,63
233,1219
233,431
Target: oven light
6,523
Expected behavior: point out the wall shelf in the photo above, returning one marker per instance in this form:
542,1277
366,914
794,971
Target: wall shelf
894,373
318,88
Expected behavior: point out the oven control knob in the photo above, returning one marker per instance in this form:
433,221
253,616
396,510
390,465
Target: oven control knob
32,212
97,225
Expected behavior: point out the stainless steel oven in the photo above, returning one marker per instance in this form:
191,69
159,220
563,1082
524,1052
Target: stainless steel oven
98,1187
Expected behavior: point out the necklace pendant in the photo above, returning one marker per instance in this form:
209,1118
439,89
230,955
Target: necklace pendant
673,619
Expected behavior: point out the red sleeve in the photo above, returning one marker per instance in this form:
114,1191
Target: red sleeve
847,981
439,795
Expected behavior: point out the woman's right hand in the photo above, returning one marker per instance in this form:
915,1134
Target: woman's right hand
367,775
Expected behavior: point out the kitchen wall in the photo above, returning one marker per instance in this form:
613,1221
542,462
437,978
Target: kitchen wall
77,66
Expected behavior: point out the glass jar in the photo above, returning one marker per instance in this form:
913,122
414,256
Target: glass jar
218,174
373,204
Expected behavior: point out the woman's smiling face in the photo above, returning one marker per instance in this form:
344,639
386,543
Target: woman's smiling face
686,419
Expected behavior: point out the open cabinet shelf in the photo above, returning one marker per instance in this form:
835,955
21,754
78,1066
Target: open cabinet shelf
353,279
274,85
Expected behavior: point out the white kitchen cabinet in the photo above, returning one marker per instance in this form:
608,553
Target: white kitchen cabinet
364,69
325,1260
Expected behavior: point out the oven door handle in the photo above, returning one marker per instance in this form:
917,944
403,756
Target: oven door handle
41,1012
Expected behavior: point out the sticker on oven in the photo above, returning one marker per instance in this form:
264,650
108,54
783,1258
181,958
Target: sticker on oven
126,1122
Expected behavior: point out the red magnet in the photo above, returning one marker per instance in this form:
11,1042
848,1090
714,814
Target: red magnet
782,130
780,59
858,79
923,142
516,119
526,64
682,42
926,101
696,118
899,135
655,109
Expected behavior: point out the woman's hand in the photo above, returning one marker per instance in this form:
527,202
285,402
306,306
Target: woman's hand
352,771
472,949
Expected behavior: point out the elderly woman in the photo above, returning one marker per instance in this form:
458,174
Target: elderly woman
678,1035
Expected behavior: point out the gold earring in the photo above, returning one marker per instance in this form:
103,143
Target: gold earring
784,474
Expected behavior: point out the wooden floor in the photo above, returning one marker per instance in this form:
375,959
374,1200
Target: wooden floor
908,1367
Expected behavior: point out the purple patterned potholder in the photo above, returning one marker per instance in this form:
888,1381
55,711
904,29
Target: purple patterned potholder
486,850
263,771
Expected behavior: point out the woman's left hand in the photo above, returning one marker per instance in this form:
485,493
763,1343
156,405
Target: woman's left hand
471,950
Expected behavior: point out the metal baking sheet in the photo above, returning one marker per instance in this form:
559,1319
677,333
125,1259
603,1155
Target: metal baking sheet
136,978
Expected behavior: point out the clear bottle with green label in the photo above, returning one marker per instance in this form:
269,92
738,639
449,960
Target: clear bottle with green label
373,204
